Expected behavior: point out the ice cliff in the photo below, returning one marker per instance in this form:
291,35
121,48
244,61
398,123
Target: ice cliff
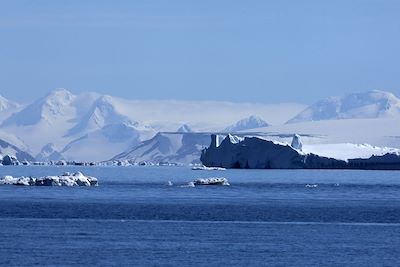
257,153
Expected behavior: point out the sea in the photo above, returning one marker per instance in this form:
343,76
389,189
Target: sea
148,216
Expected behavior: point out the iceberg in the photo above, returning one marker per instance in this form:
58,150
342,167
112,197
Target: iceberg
257,153
67,179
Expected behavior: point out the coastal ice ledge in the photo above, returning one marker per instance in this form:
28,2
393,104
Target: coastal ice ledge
67,179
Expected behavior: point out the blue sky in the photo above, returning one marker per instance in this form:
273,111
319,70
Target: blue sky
251,51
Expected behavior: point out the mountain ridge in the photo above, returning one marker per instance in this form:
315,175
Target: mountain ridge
371,104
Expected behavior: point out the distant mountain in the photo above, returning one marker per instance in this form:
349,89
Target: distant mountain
184,148
52,107
47,119
248,123
94,127
104,143
372,104
184,129
49,153
103,111
11,150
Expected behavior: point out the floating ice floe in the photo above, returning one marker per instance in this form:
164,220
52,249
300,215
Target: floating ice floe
204,168
67,179
190,184
211,181
207,181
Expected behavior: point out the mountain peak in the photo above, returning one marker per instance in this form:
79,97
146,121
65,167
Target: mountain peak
48,108
370,104
102,112
184,129
59,95
248,123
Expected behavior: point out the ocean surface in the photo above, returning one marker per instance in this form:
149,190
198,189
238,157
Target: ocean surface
265,218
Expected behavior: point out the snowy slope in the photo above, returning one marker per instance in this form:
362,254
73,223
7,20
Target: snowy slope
372,104
184,129
47,119
11,150
104,143
102,112
248,123
49,109
184,148
49,153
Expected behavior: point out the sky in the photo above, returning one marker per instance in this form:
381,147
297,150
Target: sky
240,51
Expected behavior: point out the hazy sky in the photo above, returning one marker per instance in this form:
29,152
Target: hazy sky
253,51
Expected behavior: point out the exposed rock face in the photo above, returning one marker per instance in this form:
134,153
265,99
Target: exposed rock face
257,153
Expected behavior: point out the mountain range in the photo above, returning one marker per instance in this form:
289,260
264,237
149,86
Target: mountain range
94,127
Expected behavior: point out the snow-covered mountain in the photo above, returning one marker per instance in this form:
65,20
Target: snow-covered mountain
54,106
103,112
49,153
248,123
184,129
94,127
183,148
372,104
106,142
47,119
90,126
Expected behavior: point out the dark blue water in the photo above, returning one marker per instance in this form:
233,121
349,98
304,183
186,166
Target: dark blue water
265,218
